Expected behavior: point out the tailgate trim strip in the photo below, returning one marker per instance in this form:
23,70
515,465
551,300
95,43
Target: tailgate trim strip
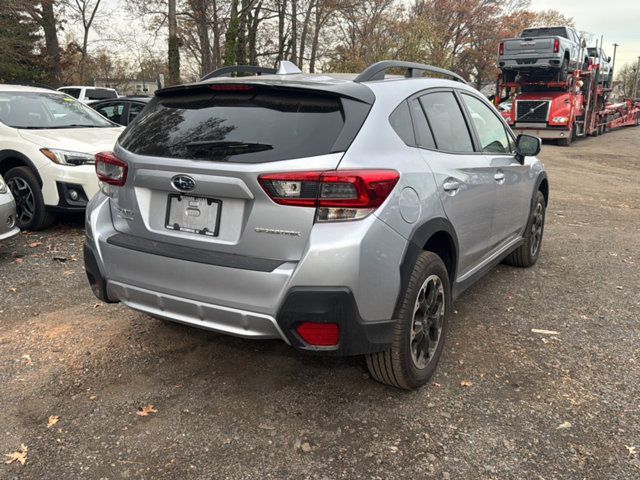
196,255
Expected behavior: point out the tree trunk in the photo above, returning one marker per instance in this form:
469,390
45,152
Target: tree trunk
174,46
253,35
241,42
217,57
294,30
315,41
202,26
48,23
305,32
231,36
282,11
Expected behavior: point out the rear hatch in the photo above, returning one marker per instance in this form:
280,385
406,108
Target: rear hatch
529,47
195,155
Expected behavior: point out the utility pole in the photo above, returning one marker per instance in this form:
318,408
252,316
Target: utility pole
635,83
613,64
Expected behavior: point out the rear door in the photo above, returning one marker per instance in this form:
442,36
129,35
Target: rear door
464,177
195,157
510,176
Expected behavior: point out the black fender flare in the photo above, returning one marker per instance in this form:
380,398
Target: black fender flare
417,241
13,154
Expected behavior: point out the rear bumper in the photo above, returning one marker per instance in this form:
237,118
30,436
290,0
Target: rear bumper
533,62
335,282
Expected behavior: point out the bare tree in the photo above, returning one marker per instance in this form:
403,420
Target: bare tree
84,11
174,45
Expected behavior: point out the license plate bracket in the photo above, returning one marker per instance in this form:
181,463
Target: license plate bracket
193,214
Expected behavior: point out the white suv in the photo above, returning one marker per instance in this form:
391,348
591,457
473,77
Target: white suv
47,146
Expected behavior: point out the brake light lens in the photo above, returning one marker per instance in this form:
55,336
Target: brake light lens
336,195
231,88
556,45
110,169
319,334
501,48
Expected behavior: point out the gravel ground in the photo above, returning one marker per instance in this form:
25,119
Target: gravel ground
534,406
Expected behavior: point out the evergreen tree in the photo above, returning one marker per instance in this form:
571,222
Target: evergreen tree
19,58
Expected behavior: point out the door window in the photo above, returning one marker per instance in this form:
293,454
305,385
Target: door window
491,131
449,128
113,111
134,110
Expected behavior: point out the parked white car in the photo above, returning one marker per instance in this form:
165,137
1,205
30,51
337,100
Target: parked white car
89,94
47,145
7,212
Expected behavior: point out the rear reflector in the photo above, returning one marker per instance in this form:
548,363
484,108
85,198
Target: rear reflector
110,169
319,334
337,195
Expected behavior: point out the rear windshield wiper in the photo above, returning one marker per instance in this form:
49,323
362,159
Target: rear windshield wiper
228,148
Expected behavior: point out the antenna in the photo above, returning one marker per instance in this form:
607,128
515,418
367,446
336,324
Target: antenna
287,68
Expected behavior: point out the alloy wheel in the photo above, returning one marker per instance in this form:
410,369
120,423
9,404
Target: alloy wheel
25,200
428,316
536,229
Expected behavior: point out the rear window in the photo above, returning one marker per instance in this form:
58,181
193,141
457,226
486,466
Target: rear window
74,92
99,94
244,126
545,32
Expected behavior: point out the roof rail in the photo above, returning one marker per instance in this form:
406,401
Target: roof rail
377,71
226,71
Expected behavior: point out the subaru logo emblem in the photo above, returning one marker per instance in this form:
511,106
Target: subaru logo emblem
183,183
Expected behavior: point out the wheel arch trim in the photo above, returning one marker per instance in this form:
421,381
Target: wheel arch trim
8,155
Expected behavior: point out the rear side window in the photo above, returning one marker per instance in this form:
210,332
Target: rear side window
490,129
447,122
248,125
424,137
545,32
400,120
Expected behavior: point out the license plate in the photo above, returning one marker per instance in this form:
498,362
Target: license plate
199,215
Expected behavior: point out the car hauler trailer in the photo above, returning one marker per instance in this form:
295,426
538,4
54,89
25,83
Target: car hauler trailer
564,110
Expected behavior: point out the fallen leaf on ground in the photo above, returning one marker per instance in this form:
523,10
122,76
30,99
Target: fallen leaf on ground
60,259
544,332
27,357
466,383
564,425
19,261
96,305
146,410
93,397
67,273
19,456
632,450
35,244
53,419
13,289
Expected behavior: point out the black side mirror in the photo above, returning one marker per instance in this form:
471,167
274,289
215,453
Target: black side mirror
609,59
527,146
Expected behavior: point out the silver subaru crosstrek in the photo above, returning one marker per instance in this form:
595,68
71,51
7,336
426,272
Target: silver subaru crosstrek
341,214
7,212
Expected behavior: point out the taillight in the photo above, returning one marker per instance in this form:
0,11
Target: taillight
319,334
501,49
231,88
110,169
556,45
337,195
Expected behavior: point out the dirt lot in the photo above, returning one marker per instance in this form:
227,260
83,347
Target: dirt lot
538,406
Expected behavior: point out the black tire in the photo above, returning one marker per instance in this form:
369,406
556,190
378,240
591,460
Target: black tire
401,366
566,142
526,255
31,213
563,73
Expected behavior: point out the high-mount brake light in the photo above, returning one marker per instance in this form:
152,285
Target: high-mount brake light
337,195
501,48
231,88
556,45
110,169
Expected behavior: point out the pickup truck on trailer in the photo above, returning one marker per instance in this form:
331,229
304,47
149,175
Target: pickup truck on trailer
551,49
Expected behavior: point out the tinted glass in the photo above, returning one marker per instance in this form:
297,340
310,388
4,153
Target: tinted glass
258,125
99,94
400,120
545,32
447,122
74,92
424,138
113,111
491,133
134,110
47,110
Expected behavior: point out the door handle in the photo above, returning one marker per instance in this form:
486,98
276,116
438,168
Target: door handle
451,186
499,177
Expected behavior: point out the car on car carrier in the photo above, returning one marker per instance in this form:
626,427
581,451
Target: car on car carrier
341,214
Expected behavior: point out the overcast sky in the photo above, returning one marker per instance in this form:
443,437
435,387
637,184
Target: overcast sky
617,20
